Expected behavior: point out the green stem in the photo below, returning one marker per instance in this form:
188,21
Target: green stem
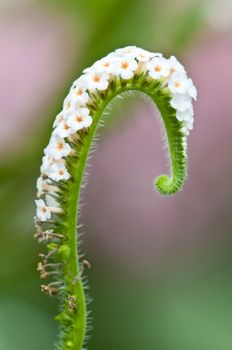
73,323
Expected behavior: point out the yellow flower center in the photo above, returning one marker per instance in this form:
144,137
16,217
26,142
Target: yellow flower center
60,146
157,68
124,65
79,92
177,84
79,118
96,78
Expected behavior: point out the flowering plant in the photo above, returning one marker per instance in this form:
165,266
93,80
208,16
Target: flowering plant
127,69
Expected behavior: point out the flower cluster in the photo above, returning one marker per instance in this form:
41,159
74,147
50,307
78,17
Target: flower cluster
122,64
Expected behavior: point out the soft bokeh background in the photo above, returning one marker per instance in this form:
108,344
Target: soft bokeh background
161,268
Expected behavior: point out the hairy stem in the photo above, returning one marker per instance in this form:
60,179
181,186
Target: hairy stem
73,335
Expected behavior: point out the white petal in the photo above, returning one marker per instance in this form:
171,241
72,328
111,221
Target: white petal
181,102
58,119
192,91
127,74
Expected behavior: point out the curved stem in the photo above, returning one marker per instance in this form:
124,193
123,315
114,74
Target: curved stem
73,335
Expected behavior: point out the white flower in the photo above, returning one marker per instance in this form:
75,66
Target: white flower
178,83
45,185
79,119
95,80
81,80
144,55
63,130
58,119
126,67
181,102
189,123
127,51
88,70
192,91
78,93
43,212
41,185
175,65
104,65
57,148
113,56
186,115
67,104
58,172
47,161
135,52
158,67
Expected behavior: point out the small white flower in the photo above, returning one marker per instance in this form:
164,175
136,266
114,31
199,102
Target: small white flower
105,65
57,148
58,119
97,81
113,56
58,172
127,51
63,130
157,67
126,67
45,185
88,70
189,123
175,65
79,94
47,161
79,80
178,83
79,119
181,102
186,115
67,105
43,212
41,185
192,91
144,55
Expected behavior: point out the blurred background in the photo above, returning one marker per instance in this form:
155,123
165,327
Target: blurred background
161,267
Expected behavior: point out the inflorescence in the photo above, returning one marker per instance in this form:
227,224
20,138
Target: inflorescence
123,63
75,116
